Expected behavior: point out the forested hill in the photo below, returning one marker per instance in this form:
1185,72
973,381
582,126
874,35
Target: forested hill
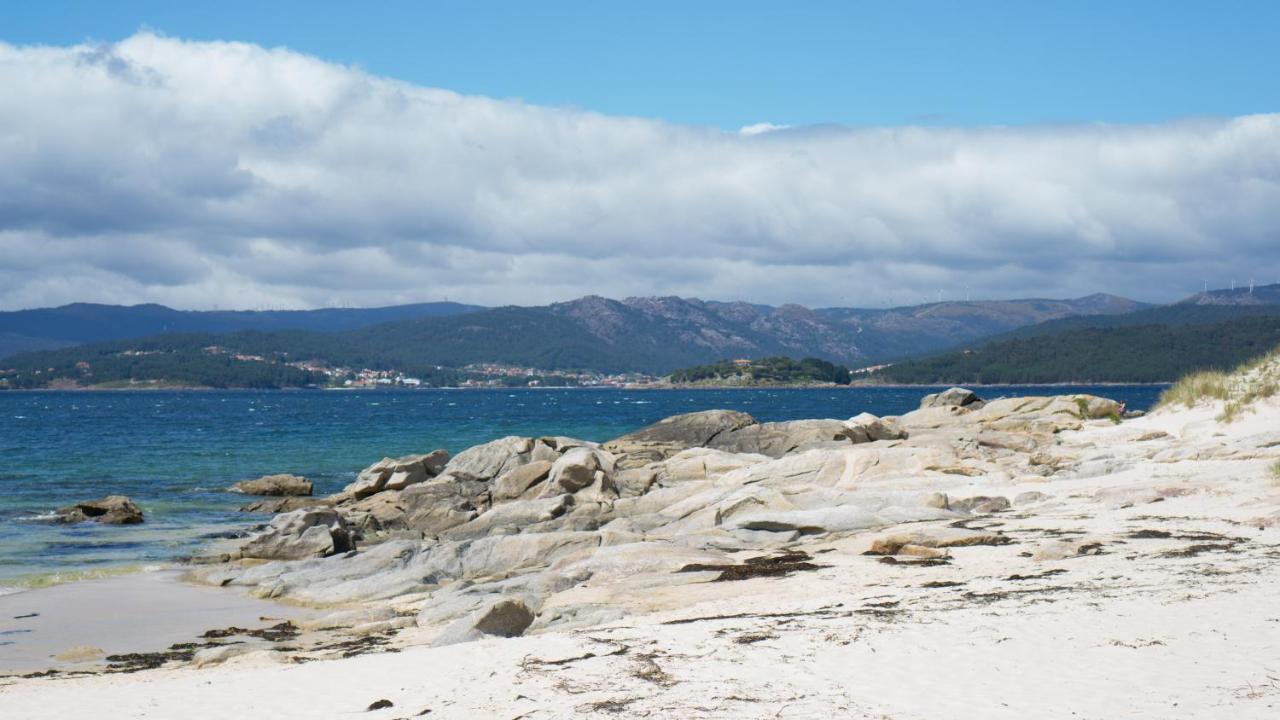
1141,353
766,371
638,335
79,323
1172,315
651,334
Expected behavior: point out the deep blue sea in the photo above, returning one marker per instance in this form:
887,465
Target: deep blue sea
175,452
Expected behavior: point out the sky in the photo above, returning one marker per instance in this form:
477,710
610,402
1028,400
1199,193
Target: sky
224,155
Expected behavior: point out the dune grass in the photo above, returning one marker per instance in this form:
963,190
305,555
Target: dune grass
1195,388
1238,390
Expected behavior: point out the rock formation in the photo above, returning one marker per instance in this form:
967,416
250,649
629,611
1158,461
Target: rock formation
306,533
110,510
534,520
276,485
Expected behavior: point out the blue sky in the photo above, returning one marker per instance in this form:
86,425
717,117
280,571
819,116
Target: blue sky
731,64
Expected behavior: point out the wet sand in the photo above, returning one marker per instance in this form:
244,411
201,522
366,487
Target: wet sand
143,612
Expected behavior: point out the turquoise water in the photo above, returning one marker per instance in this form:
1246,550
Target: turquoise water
175,452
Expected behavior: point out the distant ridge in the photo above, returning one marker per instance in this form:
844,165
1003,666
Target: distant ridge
79,323
653,335
1243,295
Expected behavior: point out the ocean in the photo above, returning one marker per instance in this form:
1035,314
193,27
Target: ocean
176,452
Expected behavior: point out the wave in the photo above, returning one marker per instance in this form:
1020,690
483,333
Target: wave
36,581
38,517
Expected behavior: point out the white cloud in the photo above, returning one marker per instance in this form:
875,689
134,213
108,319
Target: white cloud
760,128
203,174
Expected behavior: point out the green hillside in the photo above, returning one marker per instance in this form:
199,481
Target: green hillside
767,371
1142,353
167,360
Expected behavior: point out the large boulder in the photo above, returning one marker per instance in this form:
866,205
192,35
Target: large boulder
492,459
577,469
516,481
277,485
396,474
443,502
866,427
307,533
378,514
585,471
669,436
952,397
110,510
502,618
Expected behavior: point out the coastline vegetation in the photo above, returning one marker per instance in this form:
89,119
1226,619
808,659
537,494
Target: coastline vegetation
765,371
1133,354
121,367
1194,388
1252,380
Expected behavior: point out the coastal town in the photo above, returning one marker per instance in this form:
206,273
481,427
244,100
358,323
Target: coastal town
473,375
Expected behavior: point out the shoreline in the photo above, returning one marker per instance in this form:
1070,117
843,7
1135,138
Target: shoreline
86,620
909,571
38,577
851,386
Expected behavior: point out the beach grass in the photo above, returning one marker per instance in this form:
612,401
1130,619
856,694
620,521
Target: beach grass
1238,390
1195,388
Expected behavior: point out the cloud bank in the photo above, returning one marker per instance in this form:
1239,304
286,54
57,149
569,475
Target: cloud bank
224,174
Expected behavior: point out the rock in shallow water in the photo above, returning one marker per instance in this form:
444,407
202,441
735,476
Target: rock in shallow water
110,510
277,485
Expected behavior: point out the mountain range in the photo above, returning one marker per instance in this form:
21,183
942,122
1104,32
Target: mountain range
650,334
79,323
1217,329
